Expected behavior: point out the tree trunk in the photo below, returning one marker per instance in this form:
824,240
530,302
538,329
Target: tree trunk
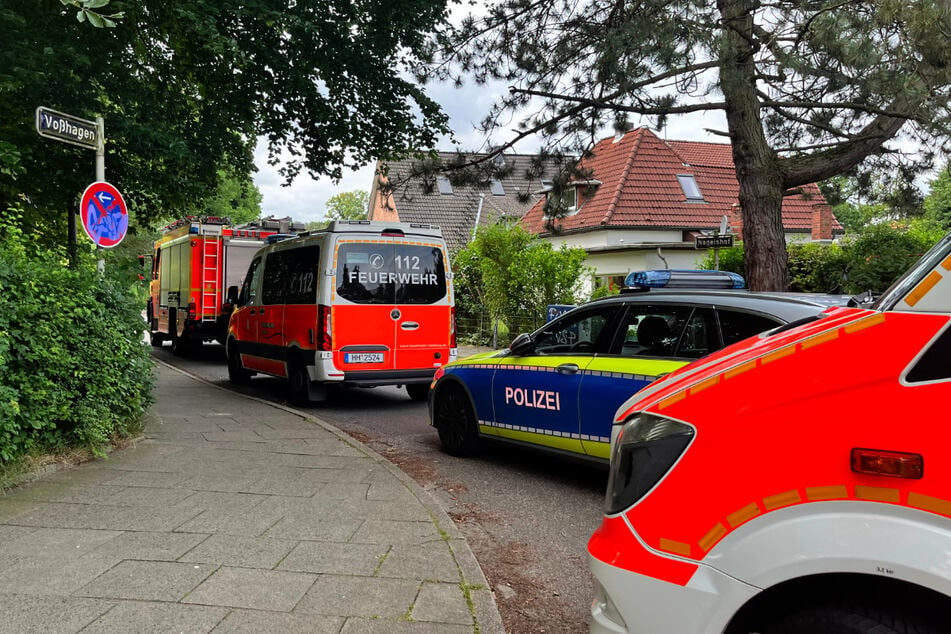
757,168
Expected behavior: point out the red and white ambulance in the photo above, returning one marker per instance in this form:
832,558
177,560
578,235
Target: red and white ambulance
798,481
361,303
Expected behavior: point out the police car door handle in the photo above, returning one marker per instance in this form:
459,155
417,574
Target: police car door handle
409,325
568,368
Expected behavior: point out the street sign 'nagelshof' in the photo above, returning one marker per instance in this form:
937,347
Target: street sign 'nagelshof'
66,128
714,242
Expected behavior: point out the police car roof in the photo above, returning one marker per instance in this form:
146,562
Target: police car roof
785,306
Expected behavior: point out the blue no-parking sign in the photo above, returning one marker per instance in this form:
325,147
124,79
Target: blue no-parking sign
104,214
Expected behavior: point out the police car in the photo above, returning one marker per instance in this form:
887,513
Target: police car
799,481
558,388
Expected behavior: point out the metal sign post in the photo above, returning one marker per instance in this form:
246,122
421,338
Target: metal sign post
91,135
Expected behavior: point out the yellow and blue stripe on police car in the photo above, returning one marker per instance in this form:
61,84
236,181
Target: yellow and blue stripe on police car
543,400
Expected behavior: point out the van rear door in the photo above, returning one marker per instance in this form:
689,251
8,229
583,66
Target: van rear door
391,305
423,301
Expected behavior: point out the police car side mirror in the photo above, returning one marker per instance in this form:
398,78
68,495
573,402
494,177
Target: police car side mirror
522,344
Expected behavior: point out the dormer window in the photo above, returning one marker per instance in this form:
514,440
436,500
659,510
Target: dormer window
445,187
691,190
569,198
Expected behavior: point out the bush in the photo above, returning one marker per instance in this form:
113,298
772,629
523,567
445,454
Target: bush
881,253
74,368
816,268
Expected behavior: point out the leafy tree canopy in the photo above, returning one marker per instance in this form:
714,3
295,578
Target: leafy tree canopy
187,88
809,88
348,206
237,198
508,271
938,202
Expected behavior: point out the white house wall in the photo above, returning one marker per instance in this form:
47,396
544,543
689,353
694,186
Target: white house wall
607,254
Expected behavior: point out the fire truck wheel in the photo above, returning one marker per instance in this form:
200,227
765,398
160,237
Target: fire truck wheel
418,391
236,374
156,339
181,345
455,421
847,619
298,384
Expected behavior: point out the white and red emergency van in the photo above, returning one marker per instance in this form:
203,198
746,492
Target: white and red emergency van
193,262
361,303
798,481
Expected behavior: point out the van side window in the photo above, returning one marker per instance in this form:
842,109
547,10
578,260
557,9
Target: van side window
301,270
275,278
248,290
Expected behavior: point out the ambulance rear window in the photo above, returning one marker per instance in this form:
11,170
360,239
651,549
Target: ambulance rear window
388,273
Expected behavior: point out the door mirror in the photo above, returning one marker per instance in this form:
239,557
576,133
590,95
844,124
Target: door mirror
522,344
232,296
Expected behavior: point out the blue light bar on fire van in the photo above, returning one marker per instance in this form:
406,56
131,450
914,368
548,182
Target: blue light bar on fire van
682,278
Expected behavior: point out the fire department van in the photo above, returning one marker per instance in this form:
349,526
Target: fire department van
194,261
361,303
798,481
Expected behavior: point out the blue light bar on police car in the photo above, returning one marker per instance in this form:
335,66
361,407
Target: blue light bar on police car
681,278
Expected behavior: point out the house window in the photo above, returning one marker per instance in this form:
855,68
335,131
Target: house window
569,199
445,187
495,186
690,187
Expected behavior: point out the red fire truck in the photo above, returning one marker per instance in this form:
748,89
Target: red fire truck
192,263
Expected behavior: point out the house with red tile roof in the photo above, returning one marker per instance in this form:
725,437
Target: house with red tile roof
644,200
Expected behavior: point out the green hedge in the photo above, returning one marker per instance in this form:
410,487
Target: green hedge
74,370
867,261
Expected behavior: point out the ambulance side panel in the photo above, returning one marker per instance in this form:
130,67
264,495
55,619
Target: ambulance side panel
839,537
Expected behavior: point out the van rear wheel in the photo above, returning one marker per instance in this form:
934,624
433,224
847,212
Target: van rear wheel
455,421
418,391
298,384
236,373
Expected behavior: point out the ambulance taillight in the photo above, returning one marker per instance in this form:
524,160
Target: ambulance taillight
892,464
324,340
645,450
452,327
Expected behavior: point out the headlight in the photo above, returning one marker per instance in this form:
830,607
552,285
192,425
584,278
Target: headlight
646,448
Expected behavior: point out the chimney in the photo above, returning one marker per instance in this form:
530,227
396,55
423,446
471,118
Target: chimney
736,220
821,221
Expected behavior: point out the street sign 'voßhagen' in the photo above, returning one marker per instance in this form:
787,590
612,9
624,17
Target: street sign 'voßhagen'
66,128
709,242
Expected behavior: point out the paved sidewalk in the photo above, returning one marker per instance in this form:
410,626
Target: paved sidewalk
235,515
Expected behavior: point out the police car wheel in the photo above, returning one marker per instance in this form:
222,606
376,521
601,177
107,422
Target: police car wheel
847,619
236,374
455,421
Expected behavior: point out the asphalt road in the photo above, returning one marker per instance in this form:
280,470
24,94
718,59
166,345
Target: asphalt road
527,515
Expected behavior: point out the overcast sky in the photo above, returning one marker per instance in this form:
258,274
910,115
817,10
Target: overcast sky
305,200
